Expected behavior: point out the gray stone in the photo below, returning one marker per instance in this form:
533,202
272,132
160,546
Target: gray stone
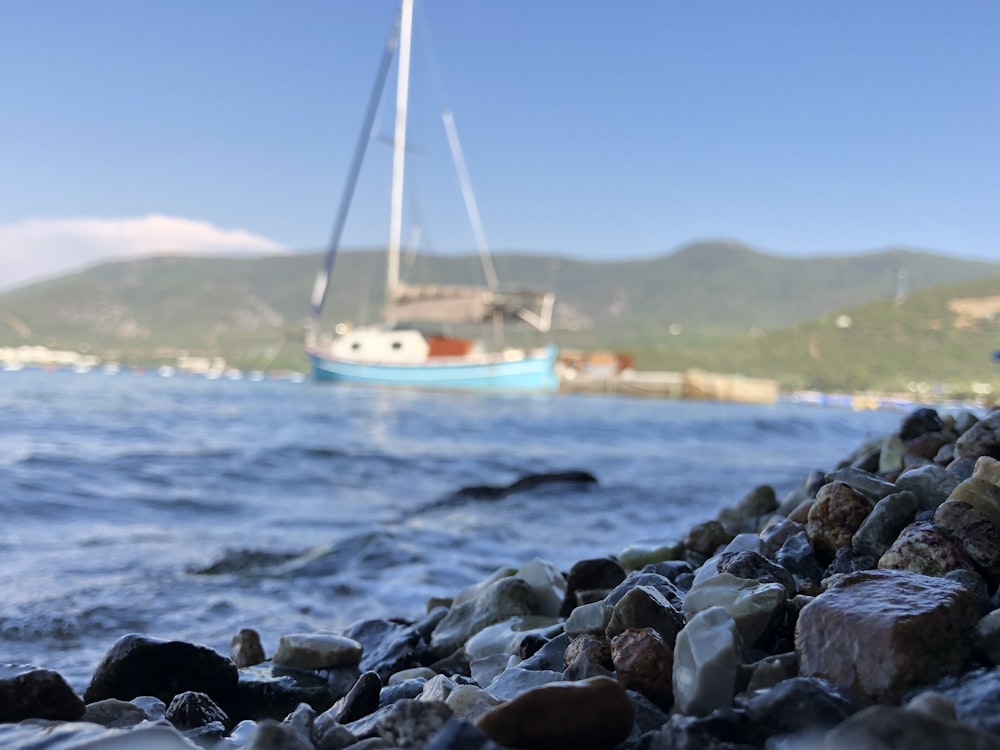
316,651
246,648
891,454
930,484
388,647
754,566
588,618
706,659
514,680
114,714
551,656
891,728
501,600
797,556
863,481
412,723
271,735
981,439
506,637
800,704
754,607
988,637
879,530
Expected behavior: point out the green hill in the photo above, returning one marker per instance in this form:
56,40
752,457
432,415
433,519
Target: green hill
713,305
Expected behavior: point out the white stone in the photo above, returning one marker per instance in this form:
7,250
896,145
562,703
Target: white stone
438,688
403,675
316,650
547,582
752,605
484,671
472,592
469,701
707,657
590,618
505,637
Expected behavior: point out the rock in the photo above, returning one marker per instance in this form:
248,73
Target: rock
707,537
776,533
924,449
919,422
706,659
924,548
848,561
83,736
470,702
975,697
271,735
596,650
934,704
771,670
837,514
644,662
590,618
516,680
930,484
754,607
506,598
399,690
437,689
303,719
756,567
316,651
551,656
863,481
981,439
362,699
330,735
268,692
645,607
981,494
412,723
890,728
890,457
548,584
594,714
506,637
114,714
386,647
588,575
884,632
637,556
142,665
975,534
246,648
800,704
30,692
879,530
190,710
797,556
759,501
988,637
724,729
460,734
646,578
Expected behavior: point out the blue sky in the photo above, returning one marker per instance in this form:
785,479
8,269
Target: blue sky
597,130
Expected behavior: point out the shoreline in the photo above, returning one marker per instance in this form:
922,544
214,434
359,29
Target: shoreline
722,637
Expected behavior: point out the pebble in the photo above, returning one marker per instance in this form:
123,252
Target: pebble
773,625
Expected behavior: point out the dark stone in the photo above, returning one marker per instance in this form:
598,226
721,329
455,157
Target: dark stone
459,734
641,578
142,665
586,575
707,537
891,728
549,657
30,692
267,692
800,704
530,645
919,422
648,716
976,697
190,710
524,484
388,646
847,560
752,565
723,729
362,699
406,689
797,557
642,607
412,723
982,439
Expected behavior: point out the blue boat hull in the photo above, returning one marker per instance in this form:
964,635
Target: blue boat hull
535,372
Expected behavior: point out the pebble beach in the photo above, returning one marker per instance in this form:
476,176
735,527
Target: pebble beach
859,610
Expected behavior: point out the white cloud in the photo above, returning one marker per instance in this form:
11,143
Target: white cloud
40,248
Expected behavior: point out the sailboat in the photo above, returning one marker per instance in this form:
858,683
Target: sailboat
399,352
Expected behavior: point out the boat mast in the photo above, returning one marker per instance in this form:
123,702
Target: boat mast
398,155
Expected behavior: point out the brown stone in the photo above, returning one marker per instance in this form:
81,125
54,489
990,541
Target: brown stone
800,513
707,537
594,714
926,446
245,649
644,662
924,548
982,439
975,534
882,632
596,649
838,512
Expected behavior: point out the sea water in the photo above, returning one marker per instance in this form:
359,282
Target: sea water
188,508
